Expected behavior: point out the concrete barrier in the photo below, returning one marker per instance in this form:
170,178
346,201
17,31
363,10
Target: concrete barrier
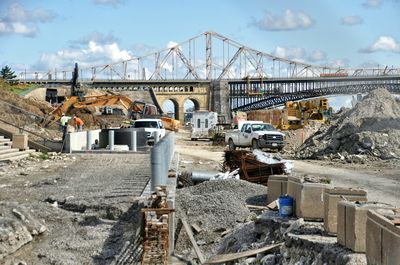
123,136
20,141
277,186
351,223
383,237
308,197
331,199
78,141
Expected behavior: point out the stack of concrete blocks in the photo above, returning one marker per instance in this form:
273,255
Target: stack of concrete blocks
20,141
308,197
383,237
331,199
351,223
277,186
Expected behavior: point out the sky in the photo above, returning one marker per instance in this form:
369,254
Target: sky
44,35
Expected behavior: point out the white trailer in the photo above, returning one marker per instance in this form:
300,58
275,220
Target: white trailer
203,124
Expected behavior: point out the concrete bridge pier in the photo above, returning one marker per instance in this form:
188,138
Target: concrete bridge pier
219,98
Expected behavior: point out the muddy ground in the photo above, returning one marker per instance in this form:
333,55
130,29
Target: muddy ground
89,206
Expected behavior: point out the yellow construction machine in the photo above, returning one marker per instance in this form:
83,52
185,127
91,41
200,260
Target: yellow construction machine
133,109
294,115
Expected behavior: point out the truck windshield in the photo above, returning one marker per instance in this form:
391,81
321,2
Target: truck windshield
262,127
145,124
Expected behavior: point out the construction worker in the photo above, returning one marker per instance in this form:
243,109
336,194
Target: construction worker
78,124
64,124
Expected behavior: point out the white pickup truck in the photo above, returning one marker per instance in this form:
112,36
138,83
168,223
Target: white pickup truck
150,126
256,135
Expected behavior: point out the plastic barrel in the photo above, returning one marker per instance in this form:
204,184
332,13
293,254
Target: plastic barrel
285,206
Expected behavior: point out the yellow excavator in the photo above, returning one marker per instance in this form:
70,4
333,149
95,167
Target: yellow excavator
134,109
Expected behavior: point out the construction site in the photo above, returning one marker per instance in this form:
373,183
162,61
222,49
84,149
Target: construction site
115,192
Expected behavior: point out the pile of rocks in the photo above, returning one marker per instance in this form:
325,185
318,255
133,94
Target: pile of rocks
295,138
371,130
215,207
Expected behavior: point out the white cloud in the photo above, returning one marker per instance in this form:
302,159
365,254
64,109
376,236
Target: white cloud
340,63
351,20
18,20
172,44
300,54
372,3
91,55
317,56
289,20
113,3
291,53
98,37
383,43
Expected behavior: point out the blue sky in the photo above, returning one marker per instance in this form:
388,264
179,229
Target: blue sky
47,34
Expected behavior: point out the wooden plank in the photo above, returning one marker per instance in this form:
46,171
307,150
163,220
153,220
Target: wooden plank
234,256
158,210
257,207
192,240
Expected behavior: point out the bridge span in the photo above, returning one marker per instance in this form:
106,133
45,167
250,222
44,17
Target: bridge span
221,74
225,96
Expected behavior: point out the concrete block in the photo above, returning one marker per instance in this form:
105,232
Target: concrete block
331,199
351,223
20,141
383,237
277,186
308,197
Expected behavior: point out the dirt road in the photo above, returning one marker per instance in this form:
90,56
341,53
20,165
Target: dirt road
89,203
380,179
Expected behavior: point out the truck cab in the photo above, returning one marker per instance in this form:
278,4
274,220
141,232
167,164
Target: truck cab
151,126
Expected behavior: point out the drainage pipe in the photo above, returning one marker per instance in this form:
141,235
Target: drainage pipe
200,176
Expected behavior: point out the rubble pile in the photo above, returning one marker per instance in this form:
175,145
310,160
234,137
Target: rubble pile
17,227
295,138
215,207
371,130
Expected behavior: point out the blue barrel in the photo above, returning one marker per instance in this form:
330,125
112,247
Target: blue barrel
285,206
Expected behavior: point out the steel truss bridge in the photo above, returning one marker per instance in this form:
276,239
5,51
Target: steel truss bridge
255,79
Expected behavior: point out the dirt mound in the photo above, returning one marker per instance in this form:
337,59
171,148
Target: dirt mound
26,113
40,108
216,206
370,130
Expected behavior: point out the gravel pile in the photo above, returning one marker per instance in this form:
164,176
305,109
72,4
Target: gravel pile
371,130
216,206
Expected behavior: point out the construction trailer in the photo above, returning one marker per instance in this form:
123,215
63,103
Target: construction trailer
203,125
294,115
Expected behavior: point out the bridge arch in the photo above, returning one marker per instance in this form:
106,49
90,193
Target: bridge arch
175,104
196,93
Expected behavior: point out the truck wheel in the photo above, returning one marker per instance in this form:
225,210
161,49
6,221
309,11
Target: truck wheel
254,144
231,145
